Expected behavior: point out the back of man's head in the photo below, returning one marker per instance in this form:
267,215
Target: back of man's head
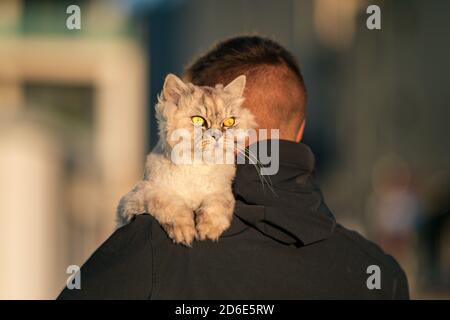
275,91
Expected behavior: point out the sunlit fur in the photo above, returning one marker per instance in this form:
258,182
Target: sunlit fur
190,200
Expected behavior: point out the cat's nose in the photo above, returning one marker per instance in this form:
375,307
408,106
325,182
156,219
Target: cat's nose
215,134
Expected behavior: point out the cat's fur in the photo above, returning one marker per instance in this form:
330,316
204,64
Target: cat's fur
189,200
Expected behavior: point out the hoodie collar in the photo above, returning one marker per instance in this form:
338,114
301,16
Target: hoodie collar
287,206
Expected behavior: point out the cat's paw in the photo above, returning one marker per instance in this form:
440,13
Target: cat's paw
181,232
211,227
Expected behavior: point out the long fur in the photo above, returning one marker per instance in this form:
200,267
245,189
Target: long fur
189,200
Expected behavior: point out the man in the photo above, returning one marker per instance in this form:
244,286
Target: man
283,244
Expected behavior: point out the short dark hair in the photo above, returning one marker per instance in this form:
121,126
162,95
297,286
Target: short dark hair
260,59
240,54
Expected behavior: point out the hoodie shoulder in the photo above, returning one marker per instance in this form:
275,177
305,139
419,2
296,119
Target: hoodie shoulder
392,275
121,268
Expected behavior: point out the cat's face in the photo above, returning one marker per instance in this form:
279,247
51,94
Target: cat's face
212,117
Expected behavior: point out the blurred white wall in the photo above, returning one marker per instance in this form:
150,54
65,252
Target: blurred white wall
53,215
30,224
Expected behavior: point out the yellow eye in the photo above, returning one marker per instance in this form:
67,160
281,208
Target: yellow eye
228,122
197,120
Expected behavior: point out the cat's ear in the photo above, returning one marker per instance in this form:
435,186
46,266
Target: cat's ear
173,88
236,87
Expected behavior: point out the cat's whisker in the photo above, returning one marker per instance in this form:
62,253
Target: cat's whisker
267,179
258,165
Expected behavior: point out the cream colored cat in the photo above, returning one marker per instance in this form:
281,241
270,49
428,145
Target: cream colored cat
190,200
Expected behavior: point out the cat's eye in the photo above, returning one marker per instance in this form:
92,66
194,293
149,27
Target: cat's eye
197,120
228,122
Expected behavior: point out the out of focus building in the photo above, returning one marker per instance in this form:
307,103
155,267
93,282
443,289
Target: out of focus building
72,136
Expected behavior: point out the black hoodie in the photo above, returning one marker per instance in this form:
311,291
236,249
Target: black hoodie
283,243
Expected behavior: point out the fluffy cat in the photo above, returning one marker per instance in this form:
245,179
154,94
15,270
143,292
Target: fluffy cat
191,200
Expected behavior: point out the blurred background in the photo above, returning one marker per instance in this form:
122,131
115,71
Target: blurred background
76,120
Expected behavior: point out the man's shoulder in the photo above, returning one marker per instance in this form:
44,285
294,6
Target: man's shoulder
129,241
358,244
139,223
137,231
121,267
361,251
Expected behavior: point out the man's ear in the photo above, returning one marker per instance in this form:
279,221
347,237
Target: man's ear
236,87
300,132
173,88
